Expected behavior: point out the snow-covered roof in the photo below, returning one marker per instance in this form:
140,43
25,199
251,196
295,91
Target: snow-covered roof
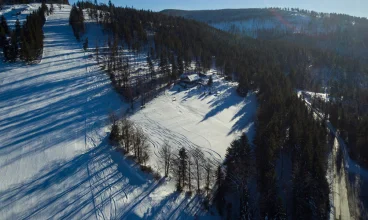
190,77
193,77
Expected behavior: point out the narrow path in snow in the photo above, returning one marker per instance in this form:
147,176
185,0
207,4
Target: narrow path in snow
339,176
339,187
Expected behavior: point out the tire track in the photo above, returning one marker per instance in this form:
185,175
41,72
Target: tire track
158,134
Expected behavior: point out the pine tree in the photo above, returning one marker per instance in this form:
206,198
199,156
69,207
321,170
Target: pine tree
115,134
180,165
52,8
151,68
2,37
6,50
4,25
180,63
85,44
13,52
210,82
219,197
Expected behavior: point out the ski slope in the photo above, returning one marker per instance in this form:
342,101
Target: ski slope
55,161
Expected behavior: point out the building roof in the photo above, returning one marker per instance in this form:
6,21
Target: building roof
193,77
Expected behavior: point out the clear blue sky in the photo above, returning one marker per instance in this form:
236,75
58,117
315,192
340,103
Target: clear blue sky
351,7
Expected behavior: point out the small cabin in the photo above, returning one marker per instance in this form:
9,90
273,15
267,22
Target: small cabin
190,78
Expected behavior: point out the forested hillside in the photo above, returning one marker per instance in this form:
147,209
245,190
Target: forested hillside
336,32
337,65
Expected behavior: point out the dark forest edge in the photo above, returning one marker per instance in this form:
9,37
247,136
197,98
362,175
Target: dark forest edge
15,2
24,42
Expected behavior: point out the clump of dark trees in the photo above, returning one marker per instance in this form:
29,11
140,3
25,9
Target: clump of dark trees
192,170
25,42
284,123
128,138
76,20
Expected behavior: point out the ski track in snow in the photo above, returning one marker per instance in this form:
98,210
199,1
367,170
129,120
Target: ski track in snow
197,120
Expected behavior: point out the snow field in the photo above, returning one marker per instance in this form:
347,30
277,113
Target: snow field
198,119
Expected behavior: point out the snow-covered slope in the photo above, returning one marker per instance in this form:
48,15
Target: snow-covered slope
252,21
55,160
195,118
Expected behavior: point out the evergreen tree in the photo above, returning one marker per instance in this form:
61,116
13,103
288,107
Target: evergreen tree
151,68
13,50
4,25
180,165
85,44
76,20
2,37
219,197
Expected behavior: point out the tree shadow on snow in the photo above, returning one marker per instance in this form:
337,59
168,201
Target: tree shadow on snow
68,107
88,184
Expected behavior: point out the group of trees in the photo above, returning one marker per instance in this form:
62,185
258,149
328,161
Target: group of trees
14,2
235,177
76,20
284,127
191,169
25,42
131,139
288,127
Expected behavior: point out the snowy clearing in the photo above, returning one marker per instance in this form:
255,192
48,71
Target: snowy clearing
194,118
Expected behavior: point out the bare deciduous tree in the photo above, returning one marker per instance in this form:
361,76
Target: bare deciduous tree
190,163
198,158
126,131
208,169
165,154
140,145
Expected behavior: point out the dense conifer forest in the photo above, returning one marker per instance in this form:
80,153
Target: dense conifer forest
25,41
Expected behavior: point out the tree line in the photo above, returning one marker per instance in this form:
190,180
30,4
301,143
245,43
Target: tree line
15,2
